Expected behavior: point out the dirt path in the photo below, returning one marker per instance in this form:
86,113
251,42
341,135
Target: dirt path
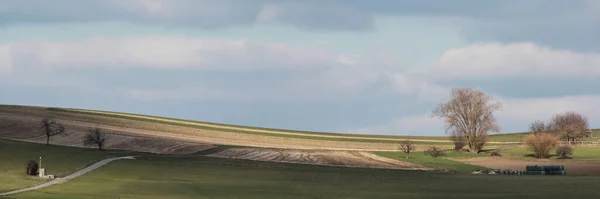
69,177
273,131
571,166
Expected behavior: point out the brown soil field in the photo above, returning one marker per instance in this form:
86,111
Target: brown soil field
15,129
571,167
31,116
317,157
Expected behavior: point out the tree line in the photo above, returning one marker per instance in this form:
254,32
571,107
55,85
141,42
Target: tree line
469,118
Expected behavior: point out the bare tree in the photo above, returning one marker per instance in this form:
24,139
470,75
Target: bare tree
51,128
434,152
407,146
95,137
539,127
470,114
570,126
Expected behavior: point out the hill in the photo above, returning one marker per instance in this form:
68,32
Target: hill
176,135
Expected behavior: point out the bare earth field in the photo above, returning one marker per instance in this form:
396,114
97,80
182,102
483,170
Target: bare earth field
16,129
167,139
572,167
116,126
318,157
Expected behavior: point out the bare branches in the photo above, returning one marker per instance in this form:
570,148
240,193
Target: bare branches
51,128
539,127
95,137
570,126
470,114
407,146
434,152
541,144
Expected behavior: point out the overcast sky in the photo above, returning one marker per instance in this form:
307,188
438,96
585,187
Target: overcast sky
355,66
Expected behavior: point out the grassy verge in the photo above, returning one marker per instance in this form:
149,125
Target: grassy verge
579,153
204,177
441,162
58,161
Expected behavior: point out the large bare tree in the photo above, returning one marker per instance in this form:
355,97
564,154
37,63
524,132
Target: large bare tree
570,126
469,113
51,128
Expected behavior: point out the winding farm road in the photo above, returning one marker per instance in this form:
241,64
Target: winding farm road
69,177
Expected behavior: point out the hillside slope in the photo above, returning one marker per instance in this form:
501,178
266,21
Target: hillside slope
19,123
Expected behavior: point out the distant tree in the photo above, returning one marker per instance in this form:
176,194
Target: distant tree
51,128
95,138
434,152
470,114
31,168
541,144
407,146
564,151
570,126
539,127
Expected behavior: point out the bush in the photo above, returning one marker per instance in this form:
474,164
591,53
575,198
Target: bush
541,144
495,153
31,168
434,152
564,151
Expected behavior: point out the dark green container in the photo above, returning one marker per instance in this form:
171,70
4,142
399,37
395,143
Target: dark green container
536,173
554,168
556,173
535,168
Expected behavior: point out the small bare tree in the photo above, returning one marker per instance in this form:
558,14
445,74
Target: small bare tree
51,128
539,127
469,113
96,138
434,152
570,126
407,146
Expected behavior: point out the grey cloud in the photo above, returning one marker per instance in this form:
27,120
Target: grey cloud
542,21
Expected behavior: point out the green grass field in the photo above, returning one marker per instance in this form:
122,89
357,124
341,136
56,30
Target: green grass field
58,160
579,153
441,162
196,176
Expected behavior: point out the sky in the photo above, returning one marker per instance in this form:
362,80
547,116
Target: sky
347,66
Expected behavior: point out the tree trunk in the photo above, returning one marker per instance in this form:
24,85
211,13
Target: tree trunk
47,140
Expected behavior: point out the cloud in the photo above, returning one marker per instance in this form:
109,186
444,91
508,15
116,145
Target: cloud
529,109
169,52
420,124
496,60
311,73
5,60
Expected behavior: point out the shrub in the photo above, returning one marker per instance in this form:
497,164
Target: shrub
495,153
564,151
31,168
434,152
541,144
